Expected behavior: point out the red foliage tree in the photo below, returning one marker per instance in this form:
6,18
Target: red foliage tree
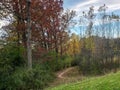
44,18
48,22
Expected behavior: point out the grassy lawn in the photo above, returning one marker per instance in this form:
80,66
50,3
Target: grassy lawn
107,82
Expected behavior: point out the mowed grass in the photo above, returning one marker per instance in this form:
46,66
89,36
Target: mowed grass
107,82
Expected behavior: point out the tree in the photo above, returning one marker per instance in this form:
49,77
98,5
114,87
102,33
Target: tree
65,23
90,16
29,48
74,45
45,21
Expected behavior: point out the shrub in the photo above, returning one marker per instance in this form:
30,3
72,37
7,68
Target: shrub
59,63
10,59
94,65
37,78
27,79
15,76
11,56
88,65
68,61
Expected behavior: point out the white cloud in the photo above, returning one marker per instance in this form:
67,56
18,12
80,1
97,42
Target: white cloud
113,7
111,4
82,5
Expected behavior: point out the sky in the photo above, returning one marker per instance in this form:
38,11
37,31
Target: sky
83,5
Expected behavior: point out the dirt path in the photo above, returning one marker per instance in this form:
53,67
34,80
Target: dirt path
67,75
62,73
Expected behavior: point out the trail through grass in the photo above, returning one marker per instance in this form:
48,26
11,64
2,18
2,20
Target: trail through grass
68,75
107,82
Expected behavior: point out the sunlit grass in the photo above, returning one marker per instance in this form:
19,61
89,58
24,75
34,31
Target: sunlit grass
107,82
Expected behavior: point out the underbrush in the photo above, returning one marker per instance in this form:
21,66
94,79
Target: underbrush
59,63
14,75
89,65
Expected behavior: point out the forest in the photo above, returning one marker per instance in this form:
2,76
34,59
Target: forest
44,45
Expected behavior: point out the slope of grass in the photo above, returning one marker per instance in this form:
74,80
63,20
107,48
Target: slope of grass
107,82
70,75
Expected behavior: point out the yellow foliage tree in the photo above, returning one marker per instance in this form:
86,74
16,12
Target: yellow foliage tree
73,45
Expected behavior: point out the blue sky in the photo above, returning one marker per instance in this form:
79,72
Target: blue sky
81,5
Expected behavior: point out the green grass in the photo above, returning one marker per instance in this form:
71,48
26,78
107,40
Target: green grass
107,82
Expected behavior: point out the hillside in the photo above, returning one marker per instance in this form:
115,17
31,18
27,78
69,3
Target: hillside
107,82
